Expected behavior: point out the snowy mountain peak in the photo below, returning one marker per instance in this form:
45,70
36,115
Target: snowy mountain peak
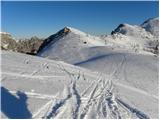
152,25
53,38
61,34
130,30
75,31
66,30
121,29
68,44
151,20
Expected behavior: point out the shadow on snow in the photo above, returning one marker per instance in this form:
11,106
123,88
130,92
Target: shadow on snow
14,107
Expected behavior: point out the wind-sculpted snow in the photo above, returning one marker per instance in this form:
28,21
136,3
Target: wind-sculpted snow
50,89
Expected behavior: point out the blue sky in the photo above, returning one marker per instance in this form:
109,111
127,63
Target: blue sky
26,19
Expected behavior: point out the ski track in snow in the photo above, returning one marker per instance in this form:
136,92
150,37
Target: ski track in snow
115,74
138,113
29,75
101,96
118,84
35,115
93,98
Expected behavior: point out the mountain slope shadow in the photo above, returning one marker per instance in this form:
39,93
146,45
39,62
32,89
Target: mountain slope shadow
97,57
13,107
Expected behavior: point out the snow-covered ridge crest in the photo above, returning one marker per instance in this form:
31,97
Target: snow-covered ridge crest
130,30
60,34
68,41
53,38
76,31
152,25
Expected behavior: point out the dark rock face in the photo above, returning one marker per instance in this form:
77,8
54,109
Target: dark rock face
54,38
8,42
119,29
28,46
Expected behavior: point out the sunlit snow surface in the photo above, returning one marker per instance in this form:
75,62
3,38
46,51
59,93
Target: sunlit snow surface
111,76
34,87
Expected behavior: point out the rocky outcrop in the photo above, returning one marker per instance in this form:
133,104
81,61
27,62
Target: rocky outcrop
28,46
8,42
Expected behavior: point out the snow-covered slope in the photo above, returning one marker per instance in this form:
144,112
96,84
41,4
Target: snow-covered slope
34,87
152,25
137,71
69,46
130,30
73,46
135,37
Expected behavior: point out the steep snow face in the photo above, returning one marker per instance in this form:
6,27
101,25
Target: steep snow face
152,26
69,47
42,88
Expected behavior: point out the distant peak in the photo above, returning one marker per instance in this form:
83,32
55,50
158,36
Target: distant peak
122,28
65,30
151,25
5,33
74,30
150,19
123,25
